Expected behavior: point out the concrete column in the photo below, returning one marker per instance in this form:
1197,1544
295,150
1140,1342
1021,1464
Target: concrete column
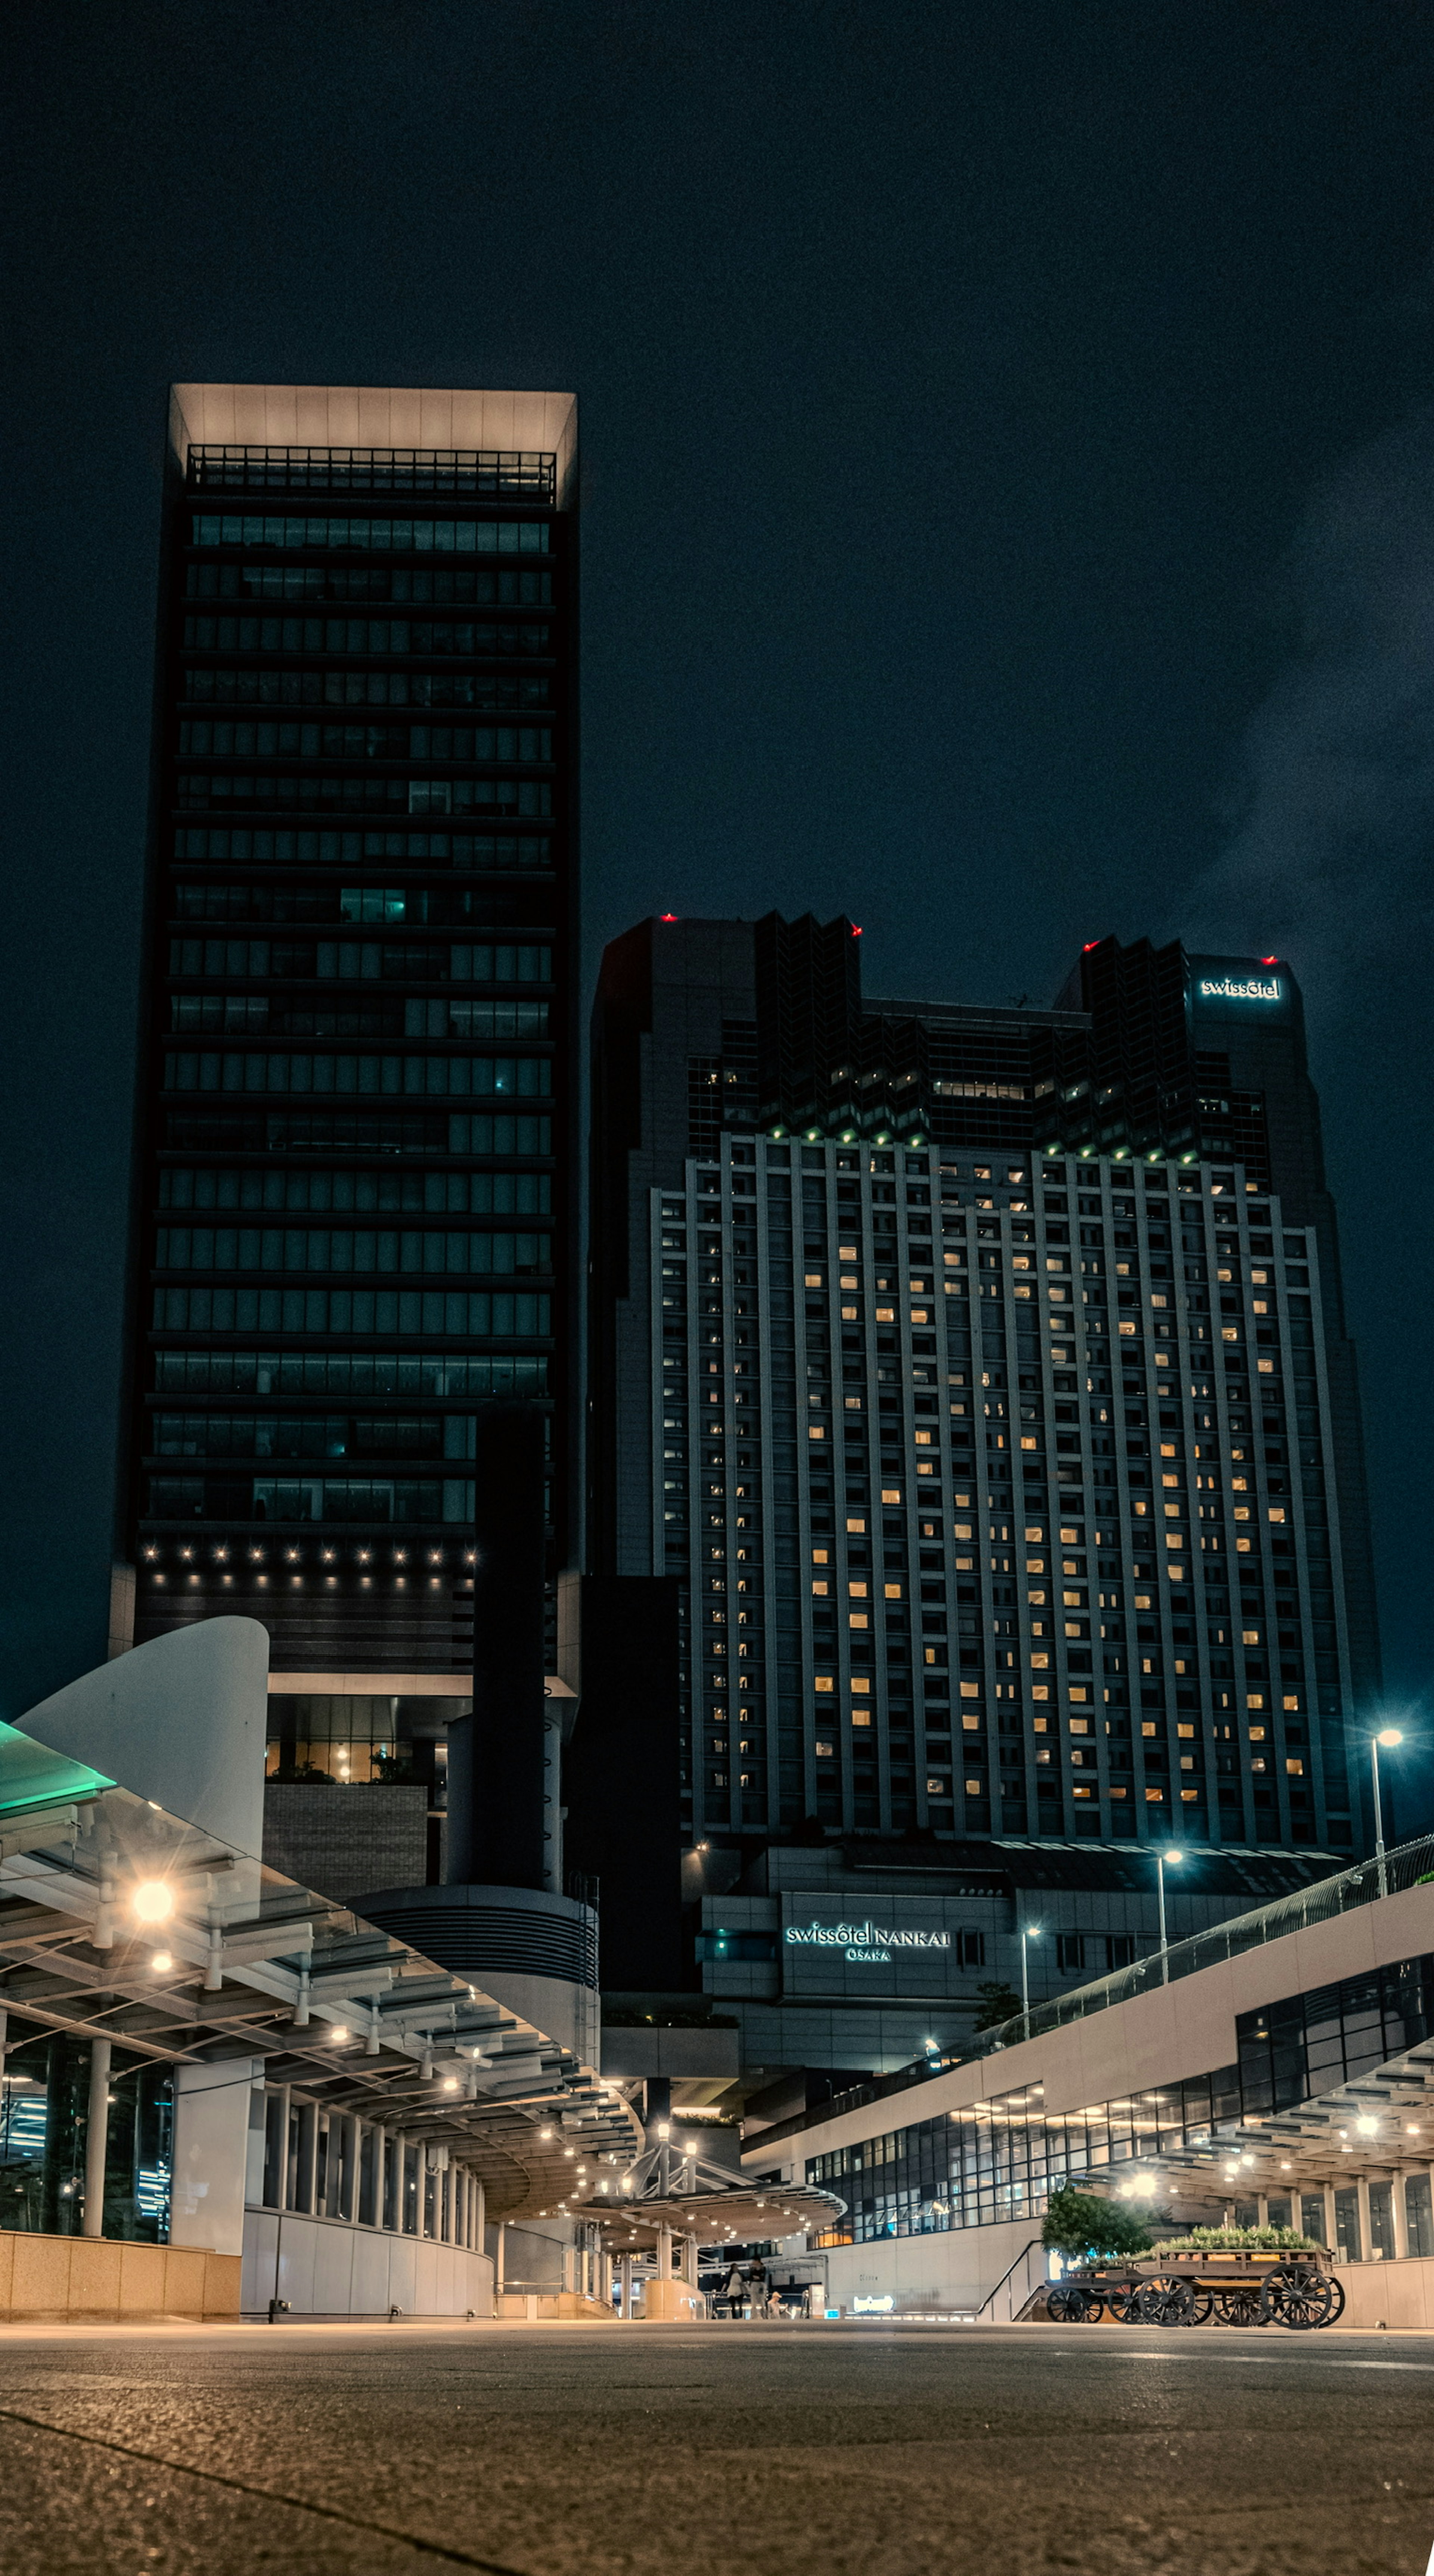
380,2172
664,2253
624,2281
97,2130
502,2250
1262,2208
1331,2232
1366,2240
400,2173
480,2217
1401,2216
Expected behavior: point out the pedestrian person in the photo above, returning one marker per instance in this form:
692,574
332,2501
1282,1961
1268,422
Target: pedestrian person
733,2291
757,2288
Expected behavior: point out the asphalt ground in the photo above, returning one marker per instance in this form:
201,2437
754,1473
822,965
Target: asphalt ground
849,2450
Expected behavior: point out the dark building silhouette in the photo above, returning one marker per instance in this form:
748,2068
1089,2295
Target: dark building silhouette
355,1180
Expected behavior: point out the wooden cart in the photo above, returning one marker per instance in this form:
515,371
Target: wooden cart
1231,2285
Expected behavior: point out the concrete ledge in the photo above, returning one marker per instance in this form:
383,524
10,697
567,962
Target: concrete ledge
103,2278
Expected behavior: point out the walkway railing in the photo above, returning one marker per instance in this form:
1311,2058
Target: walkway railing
1409,1865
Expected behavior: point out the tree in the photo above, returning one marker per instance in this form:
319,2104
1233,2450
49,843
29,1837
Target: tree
1080,2222
997,2004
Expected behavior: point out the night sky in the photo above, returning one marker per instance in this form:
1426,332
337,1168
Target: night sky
1009,517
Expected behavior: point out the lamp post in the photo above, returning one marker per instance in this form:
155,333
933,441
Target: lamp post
1029,1932
1388,1736
1173,1856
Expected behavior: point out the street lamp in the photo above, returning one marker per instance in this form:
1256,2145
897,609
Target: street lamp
1388,1736
1029,1932
1173,1855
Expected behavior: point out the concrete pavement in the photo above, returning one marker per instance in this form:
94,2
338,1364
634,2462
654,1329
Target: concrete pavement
783,2451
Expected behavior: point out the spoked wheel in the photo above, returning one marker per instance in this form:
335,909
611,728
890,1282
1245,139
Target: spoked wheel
1204,2305
1336,2306
1123,2303
1166,2301
1066,2307
1295,2295
1239,2308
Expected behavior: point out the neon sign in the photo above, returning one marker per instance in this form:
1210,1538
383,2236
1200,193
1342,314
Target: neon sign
865,1944
1230,988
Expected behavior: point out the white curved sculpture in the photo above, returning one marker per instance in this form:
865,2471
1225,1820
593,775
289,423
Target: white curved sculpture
181,1720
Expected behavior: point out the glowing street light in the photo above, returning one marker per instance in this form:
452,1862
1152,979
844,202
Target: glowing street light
1174,1856
1388,1736
153,1901
1029,1932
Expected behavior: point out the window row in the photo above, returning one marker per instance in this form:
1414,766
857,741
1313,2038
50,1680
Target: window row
237,738
488,692
457,588
307,1435
343,1311
524,1076
363,1131
380,1248
315,1498
431,1193
362,795
464,640
372,536
348,1373
266,849
363,961
234,1014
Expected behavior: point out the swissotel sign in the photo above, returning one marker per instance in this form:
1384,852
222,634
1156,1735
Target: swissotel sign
865,1944
1233,988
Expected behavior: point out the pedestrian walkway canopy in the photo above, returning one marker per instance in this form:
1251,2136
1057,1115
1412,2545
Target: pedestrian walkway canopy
122,1922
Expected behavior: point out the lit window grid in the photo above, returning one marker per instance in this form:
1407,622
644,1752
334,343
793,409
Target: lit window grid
1187,1343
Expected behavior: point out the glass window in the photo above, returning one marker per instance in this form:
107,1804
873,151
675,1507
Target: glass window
1381,2221
1347,2245
1418,2216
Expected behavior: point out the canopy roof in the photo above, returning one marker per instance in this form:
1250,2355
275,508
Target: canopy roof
120,1920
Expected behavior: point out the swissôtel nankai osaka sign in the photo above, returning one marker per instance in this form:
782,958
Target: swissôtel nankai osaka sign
866,1944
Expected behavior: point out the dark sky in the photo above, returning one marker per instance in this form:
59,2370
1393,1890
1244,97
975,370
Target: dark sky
1009,517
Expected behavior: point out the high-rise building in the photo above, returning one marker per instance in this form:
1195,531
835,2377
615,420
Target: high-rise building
355,1178
983,1375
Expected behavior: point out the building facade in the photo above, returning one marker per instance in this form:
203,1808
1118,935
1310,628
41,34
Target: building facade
354,1216
1277,2072
1006,1442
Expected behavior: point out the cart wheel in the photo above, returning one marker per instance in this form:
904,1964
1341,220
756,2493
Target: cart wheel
1240,2307
1094,2311
1336,2305
1066,2307
1295,2295
1120,2301
1204,2304
1165,2302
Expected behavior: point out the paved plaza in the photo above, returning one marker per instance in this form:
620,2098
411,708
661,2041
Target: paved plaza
839,2450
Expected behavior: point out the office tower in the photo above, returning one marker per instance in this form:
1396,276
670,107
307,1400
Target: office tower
983,1375
354,1216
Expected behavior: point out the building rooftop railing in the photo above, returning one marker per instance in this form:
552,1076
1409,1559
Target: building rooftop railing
521,473
1408,1865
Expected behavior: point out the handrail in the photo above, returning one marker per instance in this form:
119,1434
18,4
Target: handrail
1409,1865
1023,2257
